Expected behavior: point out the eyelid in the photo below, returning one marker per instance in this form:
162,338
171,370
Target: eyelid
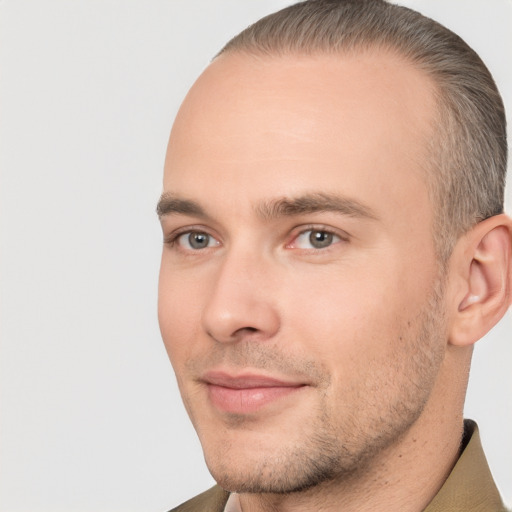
301,230
171,239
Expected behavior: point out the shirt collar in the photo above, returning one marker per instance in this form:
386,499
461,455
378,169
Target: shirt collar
470,486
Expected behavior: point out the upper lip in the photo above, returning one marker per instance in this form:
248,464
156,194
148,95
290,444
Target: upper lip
246,380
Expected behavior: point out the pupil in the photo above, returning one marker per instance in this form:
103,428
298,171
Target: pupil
319,239
198,240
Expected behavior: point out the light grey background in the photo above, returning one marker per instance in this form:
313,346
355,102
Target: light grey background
90,414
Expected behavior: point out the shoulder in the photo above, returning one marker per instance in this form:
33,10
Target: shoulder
212,500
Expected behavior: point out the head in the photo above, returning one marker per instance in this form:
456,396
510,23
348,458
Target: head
330,207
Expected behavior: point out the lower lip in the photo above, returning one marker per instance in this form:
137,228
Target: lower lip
247,400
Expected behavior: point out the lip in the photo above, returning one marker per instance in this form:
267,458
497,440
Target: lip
246,393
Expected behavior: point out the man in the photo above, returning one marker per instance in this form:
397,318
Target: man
334,245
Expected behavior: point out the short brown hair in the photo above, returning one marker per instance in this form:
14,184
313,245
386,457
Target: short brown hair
468,152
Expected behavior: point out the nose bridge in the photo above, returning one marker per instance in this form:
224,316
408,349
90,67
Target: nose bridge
240,299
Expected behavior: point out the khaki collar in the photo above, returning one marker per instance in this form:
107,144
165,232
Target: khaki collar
470,486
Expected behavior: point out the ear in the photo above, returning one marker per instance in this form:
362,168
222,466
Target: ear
482,262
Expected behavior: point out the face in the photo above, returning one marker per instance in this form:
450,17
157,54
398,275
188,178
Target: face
298,299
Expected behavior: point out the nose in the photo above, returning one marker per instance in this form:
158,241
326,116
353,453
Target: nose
241,302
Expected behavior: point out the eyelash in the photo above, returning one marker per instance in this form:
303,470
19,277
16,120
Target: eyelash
342,236
173,238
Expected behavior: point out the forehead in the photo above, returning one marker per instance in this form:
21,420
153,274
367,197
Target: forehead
288,124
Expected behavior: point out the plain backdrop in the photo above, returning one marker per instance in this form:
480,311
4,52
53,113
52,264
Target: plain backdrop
91,419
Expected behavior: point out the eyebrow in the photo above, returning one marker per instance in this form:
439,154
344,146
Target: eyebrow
314,203
170,204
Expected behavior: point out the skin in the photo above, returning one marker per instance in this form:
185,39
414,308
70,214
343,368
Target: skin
360,326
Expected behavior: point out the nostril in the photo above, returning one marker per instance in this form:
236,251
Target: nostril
248,329
244,331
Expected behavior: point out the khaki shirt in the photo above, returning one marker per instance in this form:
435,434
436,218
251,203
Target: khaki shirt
469,487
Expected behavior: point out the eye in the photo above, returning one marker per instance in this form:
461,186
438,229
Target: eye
196,240
315,239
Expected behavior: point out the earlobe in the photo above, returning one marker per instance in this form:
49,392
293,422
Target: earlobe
485,292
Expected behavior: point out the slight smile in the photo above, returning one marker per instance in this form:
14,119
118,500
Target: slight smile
247,393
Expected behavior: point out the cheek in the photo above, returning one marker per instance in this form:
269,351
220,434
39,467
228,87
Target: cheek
178,315
351,316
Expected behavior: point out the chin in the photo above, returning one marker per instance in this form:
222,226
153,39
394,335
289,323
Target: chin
282,469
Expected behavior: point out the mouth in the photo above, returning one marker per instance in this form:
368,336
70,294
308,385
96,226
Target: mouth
246,393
